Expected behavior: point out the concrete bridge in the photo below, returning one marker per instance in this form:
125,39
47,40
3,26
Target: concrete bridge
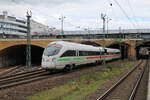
13,52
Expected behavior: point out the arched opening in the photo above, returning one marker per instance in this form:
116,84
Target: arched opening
16,55
142,50
90,43
122,46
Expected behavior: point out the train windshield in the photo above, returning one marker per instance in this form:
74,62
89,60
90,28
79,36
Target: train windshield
52,50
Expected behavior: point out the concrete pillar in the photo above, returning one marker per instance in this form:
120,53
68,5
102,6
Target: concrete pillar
132,51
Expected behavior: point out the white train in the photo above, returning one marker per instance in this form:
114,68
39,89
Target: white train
66,55
144,52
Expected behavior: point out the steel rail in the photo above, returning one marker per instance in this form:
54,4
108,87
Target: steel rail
103,96
22,82
132,95
9,76
9,70
10,80
29,80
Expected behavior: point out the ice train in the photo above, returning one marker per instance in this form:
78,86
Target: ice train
66,55
144,52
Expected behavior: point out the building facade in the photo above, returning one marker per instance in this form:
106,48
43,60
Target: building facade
39,29
12,27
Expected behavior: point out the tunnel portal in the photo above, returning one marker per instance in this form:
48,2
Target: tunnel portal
140,52
16,55
122,46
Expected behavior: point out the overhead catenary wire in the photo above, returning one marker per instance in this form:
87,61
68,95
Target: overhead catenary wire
78,26
124,12
133,14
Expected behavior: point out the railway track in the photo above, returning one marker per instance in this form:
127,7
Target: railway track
135,89
30,76
20,73
22,78
113,90
10,71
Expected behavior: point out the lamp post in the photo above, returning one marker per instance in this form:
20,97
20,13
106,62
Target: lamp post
103,17
108,19
28,45
62,24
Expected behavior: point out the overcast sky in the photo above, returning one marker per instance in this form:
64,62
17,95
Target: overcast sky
83,13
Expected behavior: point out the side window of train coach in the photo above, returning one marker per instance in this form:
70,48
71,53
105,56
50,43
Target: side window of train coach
89,53
83,53
69,53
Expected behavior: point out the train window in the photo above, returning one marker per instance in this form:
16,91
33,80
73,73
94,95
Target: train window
83,53
97,53
93,53
102,53
89,53
51,50
69,53
117,52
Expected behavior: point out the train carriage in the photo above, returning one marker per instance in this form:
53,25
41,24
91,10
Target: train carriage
144,52
65,55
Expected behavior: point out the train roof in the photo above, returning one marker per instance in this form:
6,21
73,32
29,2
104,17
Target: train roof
83,46
76,45
112,50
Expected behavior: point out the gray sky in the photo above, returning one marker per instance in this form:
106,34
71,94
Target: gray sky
83,13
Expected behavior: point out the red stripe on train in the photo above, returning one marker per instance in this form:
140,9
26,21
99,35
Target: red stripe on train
93,57
101,57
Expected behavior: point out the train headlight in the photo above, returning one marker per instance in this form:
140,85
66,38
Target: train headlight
47,60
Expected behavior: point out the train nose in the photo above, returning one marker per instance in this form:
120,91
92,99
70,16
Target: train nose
47,63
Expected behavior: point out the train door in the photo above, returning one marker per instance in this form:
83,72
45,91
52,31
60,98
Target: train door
75,59
100,54
79,59
106,57
103,54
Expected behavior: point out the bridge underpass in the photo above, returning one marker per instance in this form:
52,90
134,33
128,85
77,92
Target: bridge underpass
16,55
124,47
